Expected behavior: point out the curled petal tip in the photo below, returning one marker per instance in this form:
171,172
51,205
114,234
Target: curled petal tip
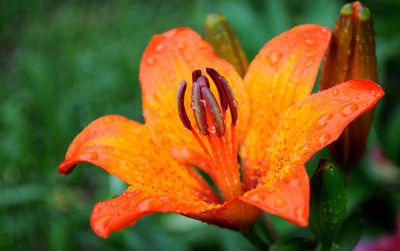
65,168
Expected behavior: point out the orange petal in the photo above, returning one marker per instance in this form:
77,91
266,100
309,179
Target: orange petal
136,202
316,121
124,148
170,58
287,198
282,73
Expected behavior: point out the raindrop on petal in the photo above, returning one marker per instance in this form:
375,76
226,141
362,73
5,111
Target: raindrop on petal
93,156
348,109
151,60
309,63
310,42
202,44
159,47
280,202
182,45
335,92
107,120
274,57
324,139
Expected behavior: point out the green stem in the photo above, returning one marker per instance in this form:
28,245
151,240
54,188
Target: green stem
262,234
269,230
255,240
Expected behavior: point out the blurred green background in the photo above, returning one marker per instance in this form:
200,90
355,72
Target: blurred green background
66,63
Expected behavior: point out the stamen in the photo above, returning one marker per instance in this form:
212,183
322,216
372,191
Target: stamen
195,75
230,99
214,110
181,105
215,138
198,109
222,97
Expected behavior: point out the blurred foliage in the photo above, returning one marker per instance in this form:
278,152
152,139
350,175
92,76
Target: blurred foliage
66,63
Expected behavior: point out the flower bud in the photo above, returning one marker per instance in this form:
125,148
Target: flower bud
351,55
327,202
218,32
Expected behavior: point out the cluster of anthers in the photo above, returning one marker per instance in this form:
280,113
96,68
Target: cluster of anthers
218,138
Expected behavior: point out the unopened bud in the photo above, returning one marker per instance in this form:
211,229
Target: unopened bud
327,202
351,55
218,32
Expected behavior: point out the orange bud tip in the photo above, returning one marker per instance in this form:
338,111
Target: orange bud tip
181,105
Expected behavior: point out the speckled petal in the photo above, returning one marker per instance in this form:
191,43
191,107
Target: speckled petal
282,73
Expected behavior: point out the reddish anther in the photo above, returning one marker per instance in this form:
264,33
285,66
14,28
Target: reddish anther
230,99
195,75
214,111
198,108
214,76
181,105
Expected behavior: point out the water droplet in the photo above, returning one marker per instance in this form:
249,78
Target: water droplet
182,45
151,60
235,103
93,156
105,220
348,109
325,30
348,51
324,139
170,33
274,57
299,212
212,129
280,202
113,204
309,63
202,44
107,120
335,92
310,42
159,47
97,210
323,120
311,54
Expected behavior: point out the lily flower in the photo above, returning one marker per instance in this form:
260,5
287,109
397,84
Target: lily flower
270,113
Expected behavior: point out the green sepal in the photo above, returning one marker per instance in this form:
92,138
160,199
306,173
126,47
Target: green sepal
218,32
327,203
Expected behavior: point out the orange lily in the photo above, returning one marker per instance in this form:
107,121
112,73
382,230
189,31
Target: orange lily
278,122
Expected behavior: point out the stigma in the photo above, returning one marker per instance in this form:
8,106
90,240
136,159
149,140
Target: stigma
214,130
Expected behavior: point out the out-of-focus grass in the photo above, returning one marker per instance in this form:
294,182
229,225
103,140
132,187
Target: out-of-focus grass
66,63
